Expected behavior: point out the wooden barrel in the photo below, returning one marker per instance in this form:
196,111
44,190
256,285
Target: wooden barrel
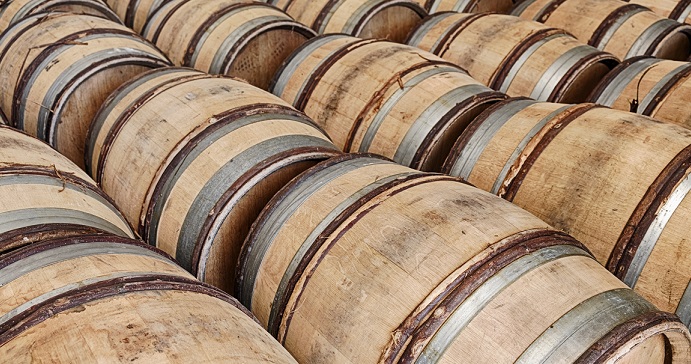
44,194
470,6
361,260
101,298
135,13
387,19
193,158
60,67
616,181
679,10
382,97
515,56
13,11
243,39
625,30
649,86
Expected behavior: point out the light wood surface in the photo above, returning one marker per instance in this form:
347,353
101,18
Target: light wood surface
469,6
16,10
135,13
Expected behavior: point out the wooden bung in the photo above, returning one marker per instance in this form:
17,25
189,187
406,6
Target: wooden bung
679,10
617,181
515,56
649,86
135,13
386,19
469,6
625,30
44,194
244,39
382,97
192,159
361,260
13,11
102,298
60,67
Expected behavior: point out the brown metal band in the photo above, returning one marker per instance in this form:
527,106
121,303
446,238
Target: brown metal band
605,58
317,74
422,22
164,21
548,10
470,130
643,216
566,118
611,76
335,231
107,289
405,3
13,240
607,23
377,98
679,9
449,117
131,12
604,348
326,9
669,86
290,60
420,327
454,31
136,105
504,68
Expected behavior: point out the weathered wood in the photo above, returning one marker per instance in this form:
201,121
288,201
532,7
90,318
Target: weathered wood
192,159
617,181
386,19
382,97
59,68
625,30
135,13
515,56
244,39
108,299
469,6
649,86
360,260
13,11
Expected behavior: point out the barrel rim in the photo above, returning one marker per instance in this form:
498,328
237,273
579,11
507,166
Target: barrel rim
610,20
372,12
19,238
611,76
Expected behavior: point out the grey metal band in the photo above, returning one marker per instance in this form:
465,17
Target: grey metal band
221,61
684,306
518,10
585,325
462,6
357,16
207,33
97,123
306,245
653,93
557,70
520,62
74,286
614,89
616,25
289,71
541,13
216,186
283,211
652,235
684,15
178,170
488,291
385,109
421,32
469,156
646,39
429,118
69,252
151,18
327,18
499,182
22,12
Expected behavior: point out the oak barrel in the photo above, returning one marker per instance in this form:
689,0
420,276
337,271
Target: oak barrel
470,6
382,97
649,86
135,13
625,30
192,159
679,10
515,56
60,67
102,298
243,39
387,19
44,194
615,180
361,260
13,11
